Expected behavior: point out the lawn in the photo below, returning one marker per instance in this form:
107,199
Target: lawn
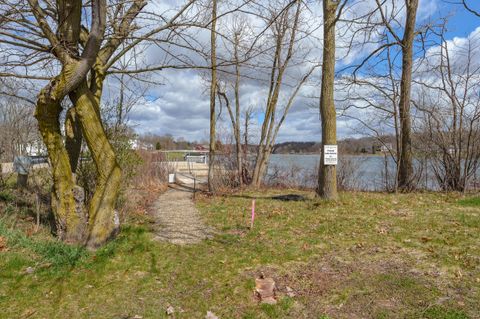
369,255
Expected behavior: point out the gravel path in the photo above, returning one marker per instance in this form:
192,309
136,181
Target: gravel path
178,219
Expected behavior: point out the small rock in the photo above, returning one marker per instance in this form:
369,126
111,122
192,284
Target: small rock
290,292
137,317
29,270
211,315
170,310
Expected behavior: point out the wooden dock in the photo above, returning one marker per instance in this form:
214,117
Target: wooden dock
189,173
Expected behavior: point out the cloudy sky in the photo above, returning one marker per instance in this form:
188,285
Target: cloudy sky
178,104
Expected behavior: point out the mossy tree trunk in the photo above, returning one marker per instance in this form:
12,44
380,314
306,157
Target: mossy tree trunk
102,205
73,223
70,218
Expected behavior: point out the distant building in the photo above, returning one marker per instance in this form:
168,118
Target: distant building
201,147
136,144
385,148
35,148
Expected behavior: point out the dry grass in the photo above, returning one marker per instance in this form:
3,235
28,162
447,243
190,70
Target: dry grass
367,256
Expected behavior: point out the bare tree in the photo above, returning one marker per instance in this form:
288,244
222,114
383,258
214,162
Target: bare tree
405,174
213,93
285,26
238,44
388,20
327,175
449,126
18,134
372,100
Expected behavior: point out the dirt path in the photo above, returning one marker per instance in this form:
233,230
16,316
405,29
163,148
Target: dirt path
178,219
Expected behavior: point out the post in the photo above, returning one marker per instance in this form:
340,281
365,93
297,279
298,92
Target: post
194,186
22,165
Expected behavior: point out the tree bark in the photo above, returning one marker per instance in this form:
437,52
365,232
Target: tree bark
238,142
73,138
102,224
405,174
70,218
327,175
213,90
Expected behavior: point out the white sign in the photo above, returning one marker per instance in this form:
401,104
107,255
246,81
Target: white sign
330,155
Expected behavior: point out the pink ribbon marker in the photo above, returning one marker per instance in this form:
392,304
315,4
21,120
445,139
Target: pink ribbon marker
253,214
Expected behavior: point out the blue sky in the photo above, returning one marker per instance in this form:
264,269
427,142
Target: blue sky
180,105
462,22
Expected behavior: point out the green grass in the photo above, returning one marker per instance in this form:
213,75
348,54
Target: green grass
175,156
471,201
367,256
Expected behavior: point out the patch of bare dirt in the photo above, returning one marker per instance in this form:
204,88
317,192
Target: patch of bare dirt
177,220
359,289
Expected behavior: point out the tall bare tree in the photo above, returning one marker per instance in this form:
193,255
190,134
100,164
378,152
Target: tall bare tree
405,174
327,175
285,27
449,105
238,42
213,94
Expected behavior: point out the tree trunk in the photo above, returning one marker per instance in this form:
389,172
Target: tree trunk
327,175
70,217
405,175
73,138
238,142
102,215
213,91
260,167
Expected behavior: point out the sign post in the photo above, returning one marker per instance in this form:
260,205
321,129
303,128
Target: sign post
330,155
22,165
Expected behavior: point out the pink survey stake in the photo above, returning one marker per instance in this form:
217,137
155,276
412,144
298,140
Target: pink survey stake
253,213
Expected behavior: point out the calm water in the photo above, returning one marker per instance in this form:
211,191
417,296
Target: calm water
358,172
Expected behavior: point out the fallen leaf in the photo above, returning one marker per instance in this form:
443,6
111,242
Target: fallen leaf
210,315
29,270
425,239
290,292
170,310
28,313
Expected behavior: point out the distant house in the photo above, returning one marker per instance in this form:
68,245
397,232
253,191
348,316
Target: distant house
136,144
35,148
385,148
201,147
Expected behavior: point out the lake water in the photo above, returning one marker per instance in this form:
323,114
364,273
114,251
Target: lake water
356,172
